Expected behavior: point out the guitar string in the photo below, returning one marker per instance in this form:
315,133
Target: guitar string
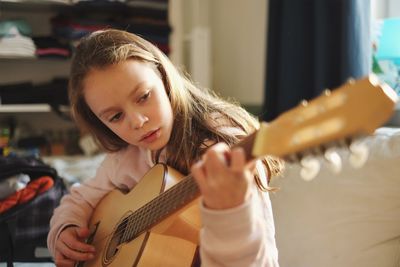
164,209
186,185
148,207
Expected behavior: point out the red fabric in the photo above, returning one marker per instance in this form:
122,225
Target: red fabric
31,190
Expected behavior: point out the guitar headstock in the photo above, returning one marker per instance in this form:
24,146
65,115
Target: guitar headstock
355,109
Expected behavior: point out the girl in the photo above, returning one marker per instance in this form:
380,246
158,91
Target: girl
141,110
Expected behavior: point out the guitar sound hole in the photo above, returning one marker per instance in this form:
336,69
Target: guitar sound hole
115,241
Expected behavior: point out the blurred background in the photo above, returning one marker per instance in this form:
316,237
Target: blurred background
268,55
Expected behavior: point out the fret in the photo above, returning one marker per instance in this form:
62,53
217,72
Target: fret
160,207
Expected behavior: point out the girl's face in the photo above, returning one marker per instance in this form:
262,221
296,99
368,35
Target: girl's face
130,99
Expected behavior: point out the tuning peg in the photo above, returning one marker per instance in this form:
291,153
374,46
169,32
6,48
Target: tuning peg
310,167
351,81
334,160
327,92
303,103
293,158
358,153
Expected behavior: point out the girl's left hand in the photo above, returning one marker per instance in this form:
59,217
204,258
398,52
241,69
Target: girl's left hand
223,176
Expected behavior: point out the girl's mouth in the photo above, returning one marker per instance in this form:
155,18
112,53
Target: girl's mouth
151,136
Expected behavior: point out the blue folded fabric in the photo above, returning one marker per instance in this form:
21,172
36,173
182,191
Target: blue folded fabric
22,26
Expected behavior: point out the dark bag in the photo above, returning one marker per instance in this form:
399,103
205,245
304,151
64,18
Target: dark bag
24,227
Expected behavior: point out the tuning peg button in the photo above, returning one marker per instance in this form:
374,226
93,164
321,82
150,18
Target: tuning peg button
303,103
334,160
327,92
310,167
358,154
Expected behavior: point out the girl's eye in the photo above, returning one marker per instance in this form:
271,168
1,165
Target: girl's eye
116,117
144,97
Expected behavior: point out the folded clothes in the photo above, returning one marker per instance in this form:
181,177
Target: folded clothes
49,46
7,27
14,44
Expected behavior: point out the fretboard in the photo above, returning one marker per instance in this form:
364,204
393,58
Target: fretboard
159,208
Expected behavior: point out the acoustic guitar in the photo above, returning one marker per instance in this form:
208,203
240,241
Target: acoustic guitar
157,223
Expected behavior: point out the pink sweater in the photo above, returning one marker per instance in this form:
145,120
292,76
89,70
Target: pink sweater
242,236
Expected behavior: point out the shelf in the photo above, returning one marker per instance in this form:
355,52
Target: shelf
48,5
28,108
32,5
33,59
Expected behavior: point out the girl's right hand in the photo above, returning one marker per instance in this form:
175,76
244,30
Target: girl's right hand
71,248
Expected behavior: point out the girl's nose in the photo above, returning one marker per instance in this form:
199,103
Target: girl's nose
138,120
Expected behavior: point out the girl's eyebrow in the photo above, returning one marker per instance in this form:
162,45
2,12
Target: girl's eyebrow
132,92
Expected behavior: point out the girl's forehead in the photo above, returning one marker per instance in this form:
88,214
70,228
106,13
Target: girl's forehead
128,73
130,67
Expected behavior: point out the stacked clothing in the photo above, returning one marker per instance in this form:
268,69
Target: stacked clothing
51,47
71,28
149,19
53,93
66,2
15,40
80,1
152,4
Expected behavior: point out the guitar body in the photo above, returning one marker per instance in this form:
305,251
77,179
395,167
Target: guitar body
172,242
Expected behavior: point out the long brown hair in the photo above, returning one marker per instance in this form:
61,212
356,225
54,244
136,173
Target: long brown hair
199,114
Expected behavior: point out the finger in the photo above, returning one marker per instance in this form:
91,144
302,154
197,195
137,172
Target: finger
221,146
221,149
64,263
61,261
216,159
72,254
199,174
238,159
75,244
82,232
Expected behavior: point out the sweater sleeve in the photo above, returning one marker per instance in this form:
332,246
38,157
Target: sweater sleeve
76,207
241,236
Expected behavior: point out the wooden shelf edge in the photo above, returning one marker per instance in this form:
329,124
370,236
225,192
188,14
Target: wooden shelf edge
31,108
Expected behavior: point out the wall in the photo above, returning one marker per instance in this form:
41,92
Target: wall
379,8
385,8
175,16
235,55
394,8
238,32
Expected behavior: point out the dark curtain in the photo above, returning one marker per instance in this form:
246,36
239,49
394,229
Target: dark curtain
313,45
